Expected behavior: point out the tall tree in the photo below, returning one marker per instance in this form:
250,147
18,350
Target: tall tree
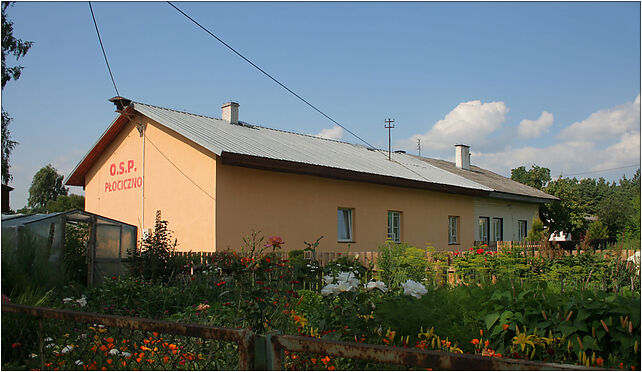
45,187
536,177
18,48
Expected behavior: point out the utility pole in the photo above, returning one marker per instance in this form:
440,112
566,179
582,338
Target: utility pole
389,126
419,146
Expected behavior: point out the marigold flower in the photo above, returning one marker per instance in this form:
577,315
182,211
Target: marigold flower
103,348
331,368
599,361
325,359
486,343
109,361
475,341
481,332
314,360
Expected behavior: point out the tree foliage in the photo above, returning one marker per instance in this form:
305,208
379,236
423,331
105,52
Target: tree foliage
536,177
10,45
46,187
17,48
615,204
66,203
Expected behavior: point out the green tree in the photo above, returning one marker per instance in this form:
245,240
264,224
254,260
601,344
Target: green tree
17,48
45,187
66,203
536,177
568,213
597,230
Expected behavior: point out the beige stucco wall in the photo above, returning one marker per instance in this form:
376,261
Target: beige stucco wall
301,208
179,180
509,211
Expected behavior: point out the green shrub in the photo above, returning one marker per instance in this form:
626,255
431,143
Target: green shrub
399,262
597,230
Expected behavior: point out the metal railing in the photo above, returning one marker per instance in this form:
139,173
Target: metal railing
173,346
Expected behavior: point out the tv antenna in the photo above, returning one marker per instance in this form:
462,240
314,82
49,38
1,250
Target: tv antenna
389,126
419,146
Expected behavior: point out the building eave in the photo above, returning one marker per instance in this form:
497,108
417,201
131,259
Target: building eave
257,162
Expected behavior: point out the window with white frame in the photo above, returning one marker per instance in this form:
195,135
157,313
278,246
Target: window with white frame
453,227
523,229
498,229
394,226
344,225
484,228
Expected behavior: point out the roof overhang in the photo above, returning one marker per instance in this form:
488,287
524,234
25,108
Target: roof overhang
522,198
77,176
257,162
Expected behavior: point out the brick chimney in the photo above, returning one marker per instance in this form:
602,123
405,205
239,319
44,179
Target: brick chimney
462,156
231,112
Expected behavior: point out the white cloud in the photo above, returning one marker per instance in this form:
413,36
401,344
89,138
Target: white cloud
535,128
334,133
606,124
469,123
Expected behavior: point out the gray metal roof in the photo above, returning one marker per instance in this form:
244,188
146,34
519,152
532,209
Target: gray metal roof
219,136
498,183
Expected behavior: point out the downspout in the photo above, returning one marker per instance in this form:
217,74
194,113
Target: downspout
141,130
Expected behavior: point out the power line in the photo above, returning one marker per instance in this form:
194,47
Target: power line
288,89
103,48
599,171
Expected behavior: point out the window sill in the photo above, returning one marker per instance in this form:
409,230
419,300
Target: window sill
346,241
454,243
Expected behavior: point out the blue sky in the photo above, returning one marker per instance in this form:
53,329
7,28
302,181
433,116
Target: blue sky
553,84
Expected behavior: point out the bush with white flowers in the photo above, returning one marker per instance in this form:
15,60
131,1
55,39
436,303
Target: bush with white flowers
414,289
344,282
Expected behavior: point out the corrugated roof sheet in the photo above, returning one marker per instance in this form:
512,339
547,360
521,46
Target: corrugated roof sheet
10,220
218,135
493,180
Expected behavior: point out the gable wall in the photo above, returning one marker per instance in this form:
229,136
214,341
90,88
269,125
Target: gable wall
179,180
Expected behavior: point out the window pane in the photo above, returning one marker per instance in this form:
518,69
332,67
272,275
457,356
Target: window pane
344,224
483,229
394,226
498,229
452,230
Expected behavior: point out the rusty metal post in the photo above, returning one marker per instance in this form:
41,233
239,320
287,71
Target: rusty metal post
246,357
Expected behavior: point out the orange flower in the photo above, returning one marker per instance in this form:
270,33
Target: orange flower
93,348
103,348
155,334
146,341
139,359
486,343
104,368
109,361
331,368
475,341
109,340
599,361
171,346
325,359
314,360
294,356
505,326
481,332
150,361
498,355
165,359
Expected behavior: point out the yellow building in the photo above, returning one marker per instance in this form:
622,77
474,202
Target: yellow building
216,180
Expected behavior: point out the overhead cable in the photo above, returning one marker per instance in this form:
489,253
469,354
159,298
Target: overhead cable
103,48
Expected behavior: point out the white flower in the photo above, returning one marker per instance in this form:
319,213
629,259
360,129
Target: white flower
414,289
67,349
378,285
114,352
79,362
48,339
328,279
328,289
345,287
67,300
49,346
32,355
82,301
125,354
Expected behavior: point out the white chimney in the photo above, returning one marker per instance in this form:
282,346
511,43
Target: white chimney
231,112
462,156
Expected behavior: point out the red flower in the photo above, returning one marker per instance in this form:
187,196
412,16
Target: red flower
456,254
16,345
275,242
480,251
471,248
